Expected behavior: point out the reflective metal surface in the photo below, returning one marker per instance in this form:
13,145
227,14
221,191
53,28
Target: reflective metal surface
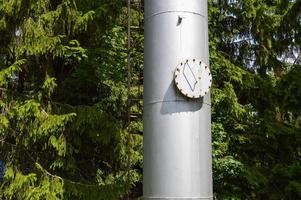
177,139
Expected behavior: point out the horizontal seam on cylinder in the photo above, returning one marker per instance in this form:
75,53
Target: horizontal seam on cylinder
210,197
173,11
155,102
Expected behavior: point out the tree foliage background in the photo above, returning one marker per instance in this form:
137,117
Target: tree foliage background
64,133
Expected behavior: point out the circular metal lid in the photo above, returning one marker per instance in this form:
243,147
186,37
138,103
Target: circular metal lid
193,78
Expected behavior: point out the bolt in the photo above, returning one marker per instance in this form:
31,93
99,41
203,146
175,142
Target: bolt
179,20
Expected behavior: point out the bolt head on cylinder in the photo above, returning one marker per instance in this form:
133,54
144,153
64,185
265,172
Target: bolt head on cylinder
193,78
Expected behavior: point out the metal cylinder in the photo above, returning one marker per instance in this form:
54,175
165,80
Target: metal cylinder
177,130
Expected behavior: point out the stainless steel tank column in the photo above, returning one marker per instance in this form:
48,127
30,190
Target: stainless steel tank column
177,127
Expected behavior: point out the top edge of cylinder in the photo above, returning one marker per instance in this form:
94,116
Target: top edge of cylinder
155,7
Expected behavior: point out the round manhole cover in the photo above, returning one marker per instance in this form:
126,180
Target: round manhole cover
193,78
